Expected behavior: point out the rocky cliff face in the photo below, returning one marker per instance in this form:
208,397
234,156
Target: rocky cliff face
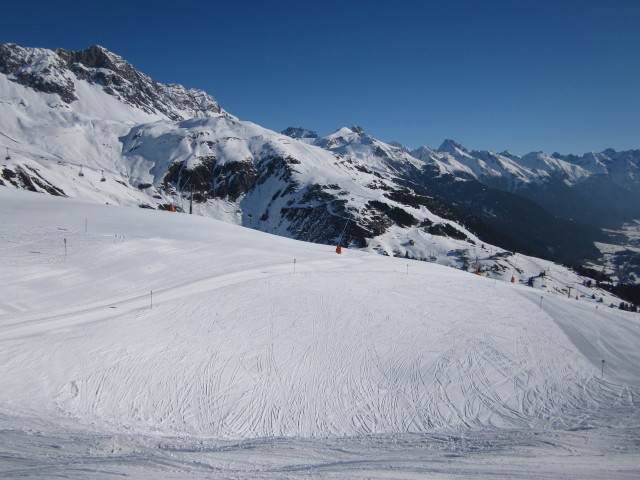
37,68
55,72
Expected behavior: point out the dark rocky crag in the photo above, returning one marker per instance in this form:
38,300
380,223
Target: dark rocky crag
98,66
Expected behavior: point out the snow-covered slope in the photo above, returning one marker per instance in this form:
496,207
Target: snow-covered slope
175,324
145,344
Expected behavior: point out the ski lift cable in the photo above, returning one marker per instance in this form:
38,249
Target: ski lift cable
76,164
344,229
59,158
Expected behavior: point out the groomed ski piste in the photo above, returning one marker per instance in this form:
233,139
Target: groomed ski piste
162,345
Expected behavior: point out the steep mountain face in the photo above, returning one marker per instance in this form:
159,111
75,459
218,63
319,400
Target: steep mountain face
57,72
87,124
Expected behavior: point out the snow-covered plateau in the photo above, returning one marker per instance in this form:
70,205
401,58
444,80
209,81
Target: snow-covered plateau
153,344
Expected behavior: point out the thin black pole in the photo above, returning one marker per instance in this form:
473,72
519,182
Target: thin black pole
345,228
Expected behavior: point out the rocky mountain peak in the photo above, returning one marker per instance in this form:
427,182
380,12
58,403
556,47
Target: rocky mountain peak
55,72
450,146
358,130
37,68
299,132
94,57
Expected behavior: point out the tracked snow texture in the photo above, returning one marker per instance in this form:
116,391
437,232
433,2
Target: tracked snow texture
237,345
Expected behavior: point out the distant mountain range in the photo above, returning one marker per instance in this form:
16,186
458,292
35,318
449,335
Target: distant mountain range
599,189
88,124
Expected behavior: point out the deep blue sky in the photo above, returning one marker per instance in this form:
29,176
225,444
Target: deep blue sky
557,75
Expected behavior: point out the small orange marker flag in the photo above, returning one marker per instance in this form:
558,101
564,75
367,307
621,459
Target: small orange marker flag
513,279
338,249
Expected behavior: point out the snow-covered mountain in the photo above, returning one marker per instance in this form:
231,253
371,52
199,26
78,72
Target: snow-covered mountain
585,194
64,113
59,72
87,124
515,172
497,216
601,189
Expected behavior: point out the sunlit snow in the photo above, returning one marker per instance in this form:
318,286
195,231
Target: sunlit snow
164,345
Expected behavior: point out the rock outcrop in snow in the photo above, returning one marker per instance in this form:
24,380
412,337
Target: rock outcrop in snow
55,73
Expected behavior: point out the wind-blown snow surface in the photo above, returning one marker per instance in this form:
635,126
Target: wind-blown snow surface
250,364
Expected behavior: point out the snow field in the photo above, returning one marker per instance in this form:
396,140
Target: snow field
238,346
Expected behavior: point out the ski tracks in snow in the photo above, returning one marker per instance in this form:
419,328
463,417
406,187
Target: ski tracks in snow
343,366
253,350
